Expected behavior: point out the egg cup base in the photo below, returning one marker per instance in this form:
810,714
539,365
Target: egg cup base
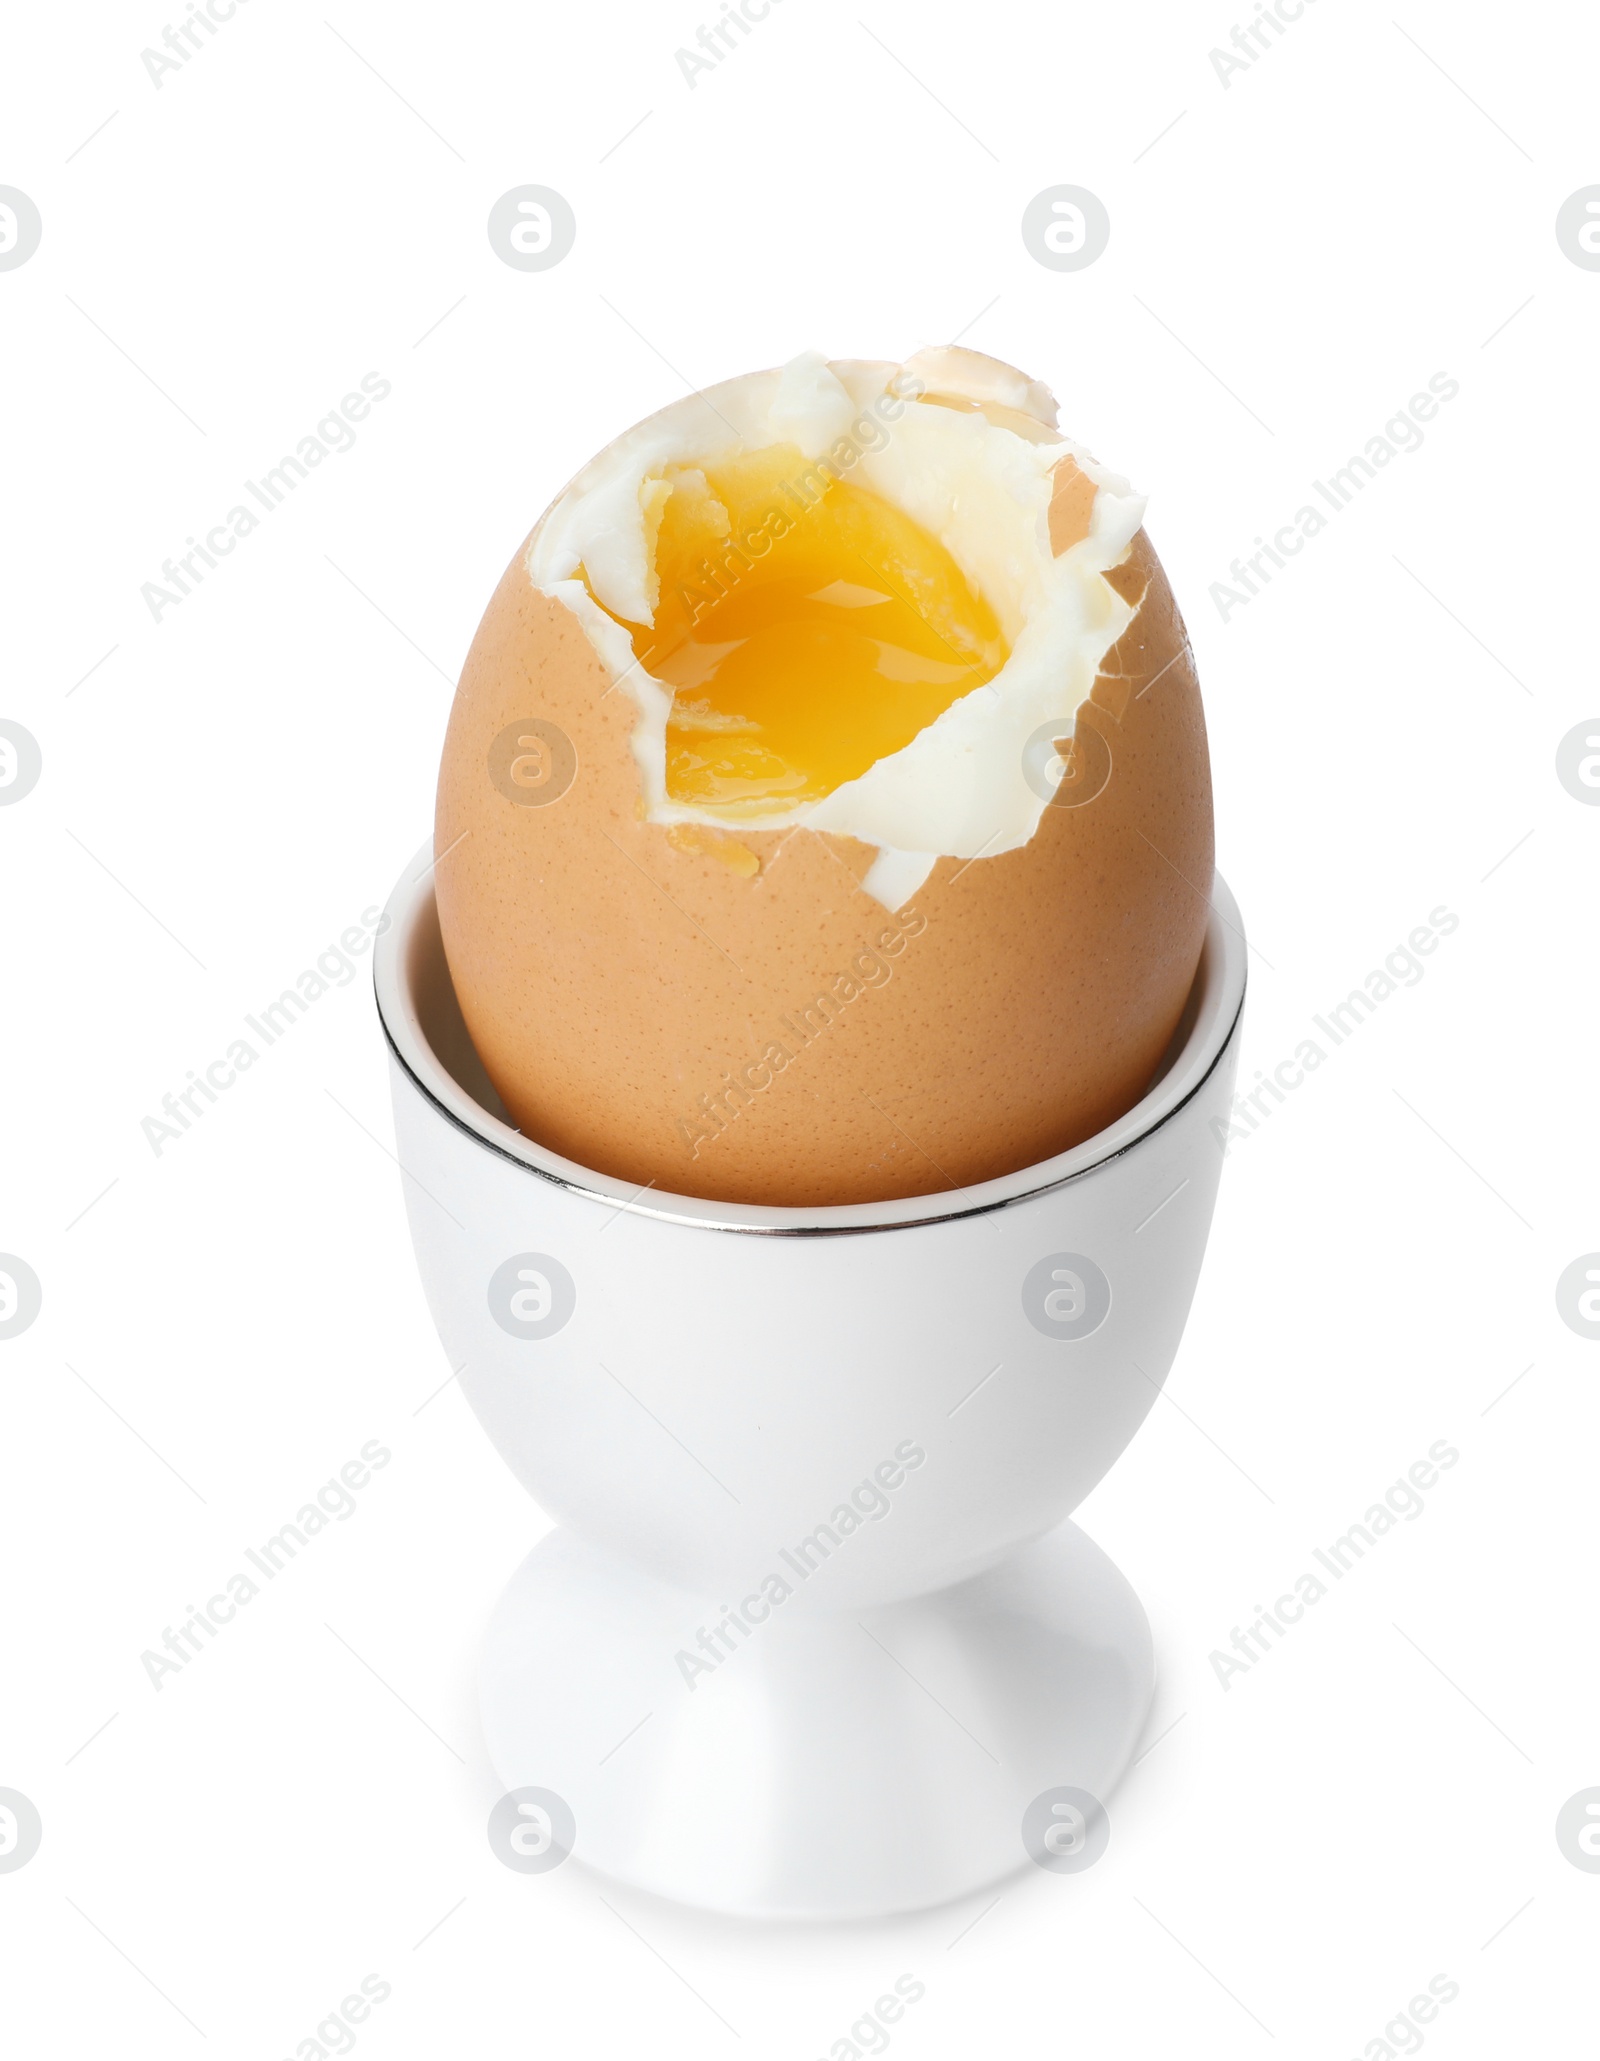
819,1764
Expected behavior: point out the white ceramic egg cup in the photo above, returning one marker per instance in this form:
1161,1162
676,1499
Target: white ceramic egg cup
747,1702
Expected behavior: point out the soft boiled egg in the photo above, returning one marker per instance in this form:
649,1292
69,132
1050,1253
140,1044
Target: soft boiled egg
825,812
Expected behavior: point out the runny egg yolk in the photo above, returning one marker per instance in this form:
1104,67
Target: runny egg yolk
806,627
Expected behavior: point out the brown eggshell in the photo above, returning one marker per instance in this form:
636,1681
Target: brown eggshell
646,1000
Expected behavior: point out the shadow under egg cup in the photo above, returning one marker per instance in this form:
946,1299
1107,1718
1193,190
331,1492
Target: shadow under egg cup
813,1637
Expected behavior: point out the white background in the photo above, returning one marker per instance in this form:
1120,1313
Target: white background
225,790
